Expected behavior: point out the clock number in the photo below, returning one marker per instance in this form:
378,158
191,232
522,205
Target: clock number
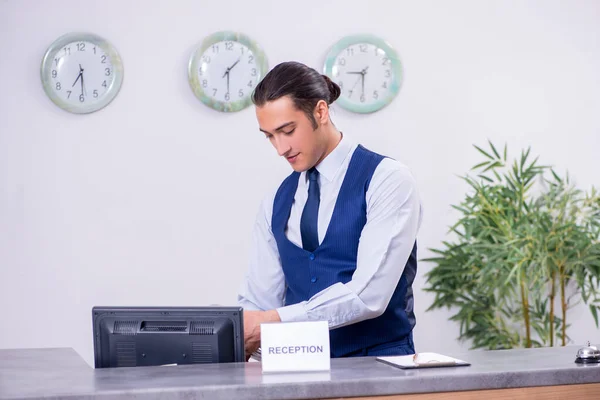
228,46
341,84
68,94
385,61
214,92
362,98
104,83
227,96
349,51
94,50
54,73
107,71
58,86
250,84
363,48
342,61
253,72
80,46
67,51
241,93
95,93
250,59
384,85
375,95
242,49
349,93
103,58
215,48
56,61
206,59
204,83
388,73
81,98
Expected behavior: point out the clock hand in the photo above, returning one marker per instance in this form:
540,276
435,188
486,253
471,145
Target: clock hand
81,73
230,68
78,76
355,83
228,82
234,64
83,85
354,72
362,77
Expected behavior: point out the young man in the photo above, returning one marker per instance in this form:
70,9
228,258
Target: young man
337,240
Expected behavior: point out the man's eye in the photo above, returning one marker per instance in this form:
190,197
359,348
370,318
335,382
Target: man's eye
290,132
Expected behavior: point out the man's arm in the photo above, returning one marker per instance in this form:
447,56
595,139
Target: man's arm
263,289
264,284
387,239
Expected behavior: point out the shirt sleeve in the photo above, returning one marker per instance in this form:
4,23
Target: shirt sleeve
264,285
386,241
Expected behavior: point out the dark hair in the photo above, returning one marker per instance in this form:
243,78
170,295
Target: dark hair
303,84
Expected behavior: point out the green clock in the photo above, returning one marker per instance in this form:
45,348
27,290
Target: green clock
368,71
224,69
81,72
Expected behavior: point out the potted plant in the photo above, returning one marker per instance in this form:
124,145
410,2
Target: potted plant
525,249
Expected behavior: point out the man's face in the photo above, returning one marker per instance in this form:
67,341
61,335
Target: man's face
291,133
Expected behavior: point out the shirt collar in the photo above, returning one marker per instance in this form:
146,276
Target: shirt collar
331,164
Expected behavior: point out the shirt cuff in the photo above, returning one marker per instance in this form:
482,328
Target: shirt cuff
292,313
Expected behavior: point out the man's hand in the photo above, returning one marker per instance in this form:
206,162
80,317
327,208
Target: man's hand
252,321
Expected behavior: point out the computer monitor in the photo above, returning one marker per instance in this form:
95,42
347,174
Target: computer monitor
145,336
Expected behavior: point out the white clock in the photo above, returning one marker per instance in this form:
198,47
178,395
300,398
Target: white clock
81,72
368,71
224,70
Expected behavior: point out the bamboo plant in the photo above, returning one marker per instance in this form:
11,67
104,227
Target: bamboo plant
526,239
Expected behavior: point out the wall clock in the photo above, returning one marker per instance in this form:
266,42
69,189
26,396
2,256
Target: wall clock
368,71
224,70
81,72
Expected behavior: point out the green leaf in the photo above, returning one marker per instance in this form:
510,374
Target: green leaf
594,311
556,176
483,152
493,165
480,165
494,149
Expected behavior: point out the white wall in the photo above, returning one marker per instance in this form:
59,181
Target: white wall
121,207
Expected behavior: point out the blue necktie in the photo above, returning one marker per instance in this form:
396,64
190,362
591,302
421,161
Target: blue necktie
310,214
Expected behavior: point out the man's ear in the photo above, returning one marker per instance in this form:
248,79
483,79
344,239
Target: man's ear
321,112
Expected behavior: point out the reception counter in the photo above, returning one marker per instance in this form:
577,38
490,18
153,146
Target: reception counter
531,373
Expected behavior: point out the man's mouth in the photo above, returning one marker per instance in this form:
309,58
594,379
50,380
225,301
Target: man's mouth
292,158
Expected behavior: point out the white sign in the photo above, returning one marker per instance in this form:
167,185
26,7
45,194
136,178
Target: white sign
295,346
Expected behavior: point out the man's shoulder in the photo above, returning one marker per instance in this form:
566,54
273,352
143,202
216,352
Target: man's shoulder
391,167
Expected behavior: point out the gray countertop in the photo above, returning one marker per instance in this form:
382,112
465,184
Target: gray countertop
62,373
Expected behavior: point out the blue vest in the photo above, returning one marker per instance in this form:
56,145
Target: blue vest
335,259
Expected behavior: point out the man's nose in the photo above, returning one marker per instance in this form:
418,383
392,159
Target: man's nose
281,146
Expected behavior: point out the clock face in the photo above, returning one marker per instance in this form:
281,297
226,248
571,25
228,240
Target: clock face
368,72
81,73
225,69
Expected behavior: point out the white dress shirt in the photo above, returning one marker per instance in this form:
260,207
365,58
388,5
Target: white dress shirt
394,215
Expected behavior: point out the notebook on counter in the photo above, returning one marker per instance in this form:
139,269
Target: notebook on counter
422,360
